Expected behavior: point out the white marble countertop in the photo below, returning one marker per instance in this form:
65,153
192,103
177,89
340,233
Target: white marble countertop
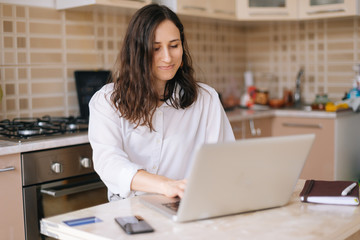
244,114
11,147
294,221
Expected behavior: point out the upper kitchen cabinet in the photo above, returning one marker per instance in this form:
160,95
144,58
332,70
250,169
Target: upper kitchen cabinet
107,4
267,10
225,9
311,9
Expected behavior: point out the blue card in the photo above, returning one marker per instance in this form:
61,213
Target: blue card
82,221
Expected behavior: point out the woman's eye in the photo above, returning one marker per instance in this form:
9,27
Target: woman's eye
174,46
156,49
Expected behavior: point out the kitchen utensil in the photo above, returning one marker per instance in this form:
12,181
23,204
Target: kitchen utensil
276,102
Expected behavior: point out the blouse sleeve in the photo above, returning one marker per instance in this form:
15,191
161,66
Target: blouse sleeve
218,125
106,138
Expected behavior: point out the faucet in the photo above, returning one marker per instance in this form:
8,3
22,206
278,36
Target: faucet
297,94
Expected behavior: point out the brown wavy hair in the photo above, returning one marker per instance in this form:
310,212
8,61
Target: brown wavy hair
135,94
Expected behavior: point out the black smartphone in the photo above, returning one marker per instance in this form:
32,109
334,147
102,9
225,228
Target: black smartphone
134,224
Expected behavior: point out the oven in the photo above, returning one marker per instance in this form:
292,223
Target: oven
56,180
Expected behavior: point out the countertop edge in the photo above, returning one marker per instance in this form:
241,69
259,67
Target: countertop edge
243,114
8,147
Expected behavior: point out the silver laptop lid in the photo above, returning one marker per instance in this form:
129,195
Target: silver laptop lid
241,176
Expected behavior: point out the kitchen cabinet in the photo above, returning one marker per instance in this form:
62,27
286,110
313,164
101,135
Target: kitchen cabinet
238,128
11,203
310,9
67,4
267,10
225,9
320,163
260,127
335,154
252,128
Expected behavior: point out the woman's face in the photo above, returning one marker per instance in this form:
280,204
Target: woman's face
168,52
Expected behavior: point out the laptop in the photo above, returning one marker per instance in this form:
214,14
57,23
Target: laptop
236,177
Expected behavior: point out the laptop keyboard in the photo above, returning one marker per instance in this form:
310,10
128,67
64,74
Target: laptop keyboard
172,205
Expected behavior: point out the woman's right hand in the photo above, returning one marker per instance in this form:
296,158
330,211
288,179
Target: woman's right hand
174,188
148,182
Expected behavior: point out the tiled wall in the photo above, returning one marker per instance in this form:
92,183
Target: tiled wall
40,49
326,49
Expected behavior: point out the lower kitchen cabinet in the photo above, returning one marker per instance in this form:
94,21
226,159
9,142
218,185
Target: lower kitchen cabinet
335,154
320,163
238,129
252,128
260,127
11,203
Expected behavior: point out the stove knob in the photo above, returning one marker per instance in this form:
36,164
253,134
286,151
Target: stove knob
85,162
56,167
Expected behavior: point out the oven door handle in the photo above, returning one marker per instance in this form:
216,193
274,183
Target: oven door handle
72,189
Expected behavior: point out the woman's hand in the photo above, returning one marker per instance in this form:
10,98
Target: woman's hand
148,182
174,188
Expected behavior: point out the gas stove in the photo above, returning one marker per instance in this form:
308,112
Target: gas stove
29,129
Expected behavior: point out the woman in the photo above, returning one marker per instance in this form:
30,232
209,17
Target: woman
146,126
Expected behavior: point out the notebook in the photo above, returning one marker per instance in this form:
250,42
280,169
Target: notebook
236,177
330,192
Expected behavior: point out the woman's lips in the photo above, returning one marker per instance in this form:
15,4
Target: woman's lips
166,67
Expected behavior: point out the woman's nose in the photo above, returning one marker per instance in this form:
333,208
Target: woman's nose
166,55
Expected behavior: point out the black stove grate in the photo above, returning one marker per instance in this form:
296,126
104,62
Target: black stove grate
24,128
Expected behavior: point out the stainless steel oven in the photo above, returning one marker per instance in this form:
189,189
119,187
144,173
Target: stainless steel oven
56,181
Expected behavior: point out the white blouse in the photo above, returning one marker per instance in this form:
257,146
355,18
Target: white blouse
119,150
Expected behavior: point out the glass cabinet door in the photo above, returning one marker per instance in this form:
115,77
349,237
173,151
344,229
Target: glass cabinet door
264,3
312,9
325,2
267,10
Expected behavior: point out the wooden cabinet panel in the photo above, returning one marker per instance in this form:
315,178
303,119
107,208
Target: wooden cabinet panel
101,4
238,129
252,128
260,127
223,9
320,162
11,203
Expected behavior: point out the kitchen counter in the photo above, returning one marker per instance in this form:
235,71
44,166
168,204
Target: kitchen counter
296,220
11,147
244,114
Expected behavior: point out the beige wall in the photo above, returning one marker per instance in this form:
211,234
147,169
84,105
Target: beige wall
40,49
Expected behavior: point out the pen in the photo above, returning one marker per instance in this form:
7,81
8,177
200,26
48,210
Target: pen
348,189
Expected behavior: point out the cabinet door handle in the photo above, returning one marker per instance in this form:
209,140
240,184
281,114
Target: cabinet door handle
268,13
70,189
326,11
224,12
6,169
302,125
194,8
254,132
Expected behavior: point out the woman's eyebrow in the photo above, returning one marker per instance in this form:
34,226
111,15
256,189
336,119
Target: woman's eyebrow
175,40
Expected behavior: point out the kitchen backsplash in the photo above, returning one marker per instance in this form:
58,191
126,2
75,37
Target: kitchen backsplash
40,48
